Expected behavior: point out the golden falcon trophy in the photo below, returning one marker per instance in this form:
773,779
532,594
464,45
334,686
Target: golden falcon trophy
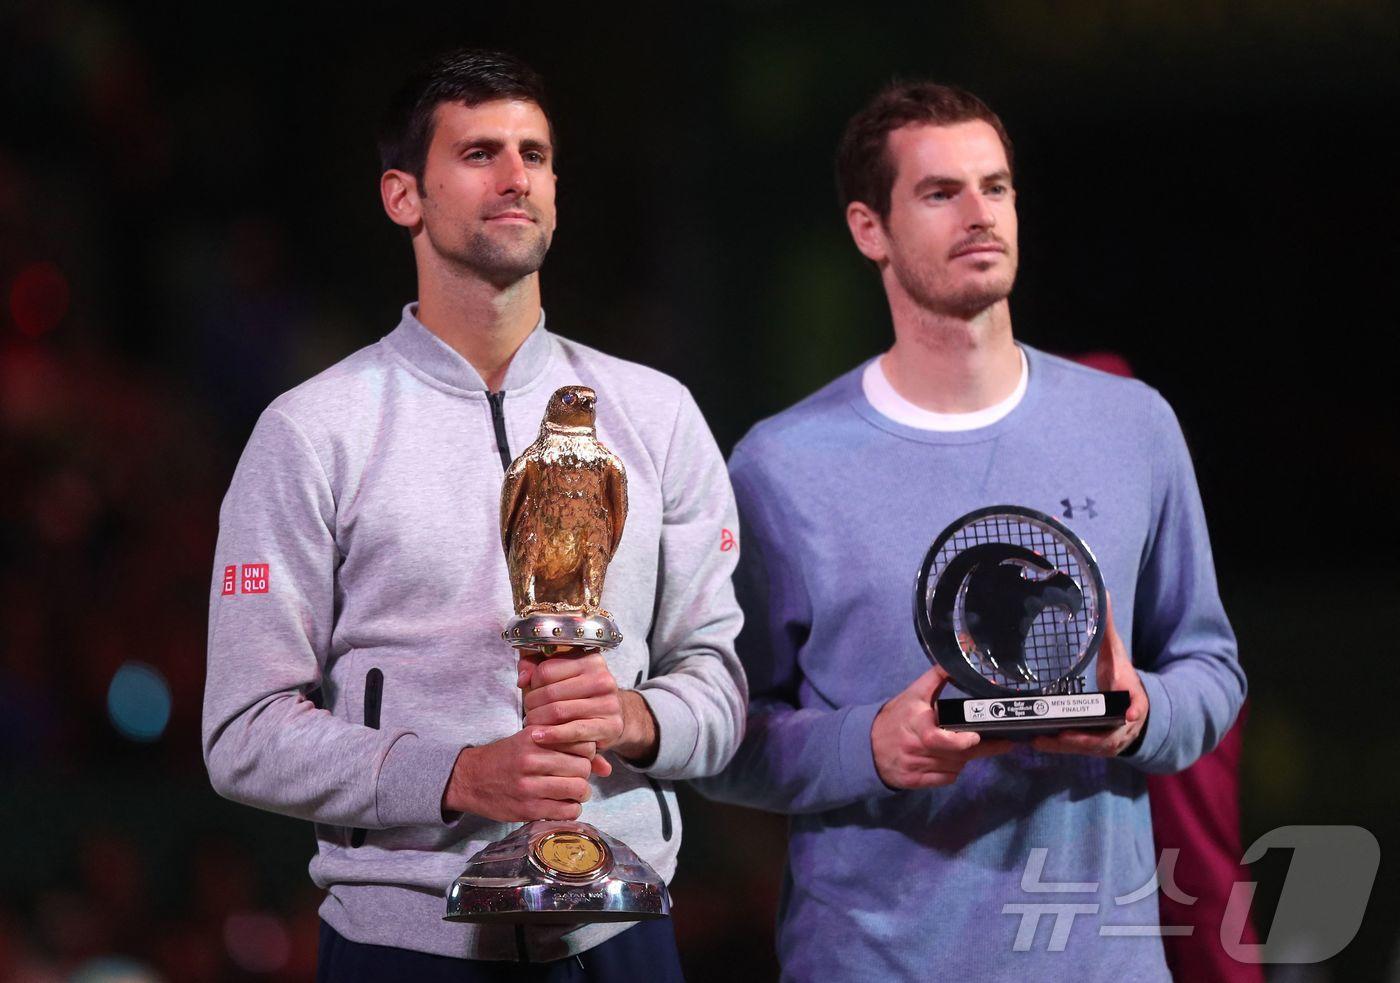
563,507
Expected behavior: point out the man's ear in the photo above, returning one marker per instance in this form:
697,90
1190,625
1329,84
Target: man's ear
868,231
398,190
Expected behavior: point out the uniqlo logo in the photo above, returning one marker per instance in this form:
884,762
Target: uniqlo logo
230,579
255,578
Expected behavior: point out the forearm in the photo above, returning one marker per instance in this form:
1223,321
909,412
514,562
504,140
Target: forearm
1194,702
285,755
456,794
801,761
640,738
697,704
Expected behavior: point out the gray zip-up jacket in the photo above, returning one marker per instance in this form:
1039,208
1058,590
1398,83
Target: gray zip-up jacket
361,532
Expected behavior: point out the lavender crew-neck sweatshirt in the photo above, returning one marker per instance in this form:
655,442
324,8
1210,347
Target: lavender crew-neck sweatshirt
839,504
361,532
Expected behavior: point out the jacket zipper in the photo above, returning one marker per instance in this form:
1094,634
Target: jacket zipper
498,420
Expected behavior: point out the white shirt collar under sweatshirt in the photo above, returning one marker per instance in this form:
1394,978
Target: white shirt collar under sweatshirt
883,397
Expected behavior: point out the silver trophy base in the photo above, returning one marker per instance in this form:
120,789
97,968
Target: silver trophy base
545,630
550,872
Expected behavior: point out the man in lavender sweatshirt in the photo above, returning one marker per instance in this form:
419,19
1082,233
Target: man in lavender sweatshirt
357,678
917,853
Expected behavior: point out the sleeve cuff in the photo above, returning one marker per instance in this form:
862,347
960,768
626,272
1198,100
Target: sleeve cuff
856,755
411,781
1159,721
677,733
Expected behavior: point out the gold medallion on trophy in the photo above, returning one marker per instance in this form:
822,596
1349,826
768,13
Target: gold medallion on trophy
570,854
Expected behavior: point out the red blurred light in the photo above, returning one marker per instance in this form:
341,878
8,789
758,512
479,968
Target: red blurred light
1110,362
38,298
257,941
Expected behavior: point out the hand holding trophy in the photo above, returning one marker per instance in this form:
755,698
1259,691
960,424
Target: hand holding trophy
563,507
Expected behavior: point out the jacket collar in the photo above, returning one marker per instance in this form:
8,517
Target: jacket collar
435,358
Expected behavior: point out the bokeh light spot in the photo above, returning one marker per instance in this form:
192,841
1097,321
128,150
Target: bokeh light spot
114,969
257,942
38,298
138,702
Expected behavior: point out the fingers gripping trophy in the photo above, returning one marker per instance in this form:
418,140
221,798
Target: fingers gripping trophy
563,507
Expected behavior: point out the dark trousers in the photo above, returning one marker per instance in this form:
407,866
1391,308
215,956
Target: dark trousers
646,951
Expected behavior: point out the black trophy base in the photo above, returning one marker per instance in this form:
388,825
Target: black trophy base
1031,716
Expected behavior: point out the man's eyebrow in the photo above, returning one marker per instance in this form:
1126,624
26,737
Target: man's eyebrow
477,143
936,181
495,145
931,181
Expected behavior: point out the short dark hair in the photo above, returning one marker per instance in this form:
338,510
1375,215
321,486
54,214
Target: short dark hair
469,76
864,171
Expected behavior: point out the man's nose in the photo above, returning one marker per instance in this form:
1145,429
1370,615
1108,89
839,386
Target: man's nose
979,212
512,178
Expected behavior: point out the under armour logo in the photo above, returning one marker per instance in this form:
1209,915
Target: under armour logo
1087,508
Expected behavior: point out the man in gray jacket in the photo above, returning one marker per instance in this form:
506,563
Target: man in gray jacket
359,555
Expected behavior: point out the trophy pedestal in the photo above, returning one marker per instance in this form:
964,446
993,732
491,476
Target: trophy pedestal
551,872
1030,716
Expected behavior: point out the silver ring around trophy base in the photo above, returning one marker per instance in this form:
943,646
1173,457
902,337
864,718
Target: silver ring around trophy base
552,872
548,629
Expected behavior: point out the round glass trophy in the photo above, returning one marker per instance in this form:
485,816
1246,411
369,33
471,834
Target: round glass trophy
1010,602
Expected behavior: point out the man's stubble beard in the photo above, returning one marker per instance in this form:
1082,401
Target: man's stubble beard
924,287
503,265
499,264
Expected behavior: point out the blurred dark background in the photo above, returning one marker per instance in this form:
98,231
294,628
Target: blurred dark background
189,225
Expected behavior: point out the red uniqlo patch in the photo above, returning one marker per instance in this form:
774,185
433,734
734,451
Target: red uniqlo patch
230,579
255,578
